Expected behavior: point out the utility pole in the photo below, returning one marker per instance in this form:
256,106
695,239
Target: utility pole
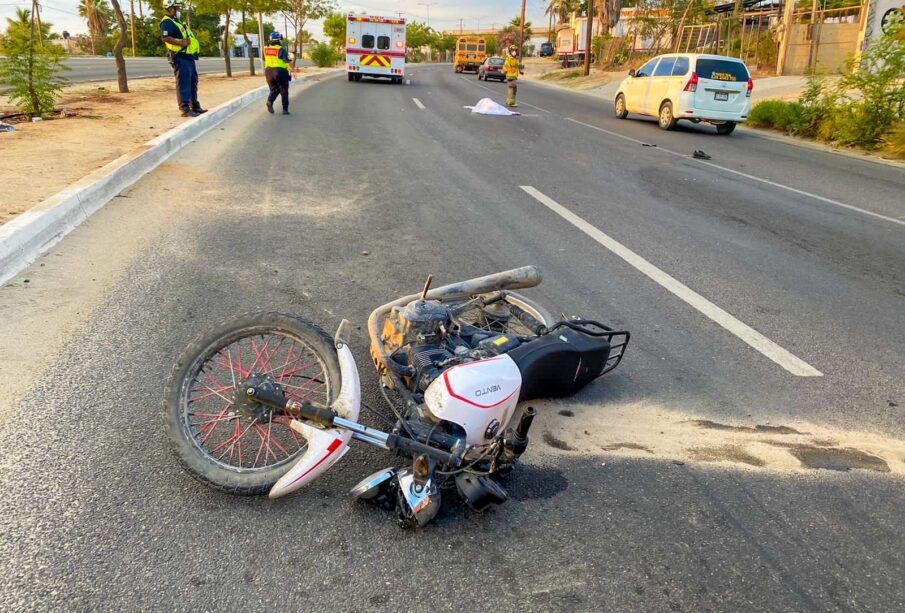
521,31
429,5
460,26
36,18
132,23
587,49
260,39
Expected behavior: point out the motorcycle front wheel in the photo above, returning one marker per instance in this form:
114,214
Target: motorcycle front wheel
220,437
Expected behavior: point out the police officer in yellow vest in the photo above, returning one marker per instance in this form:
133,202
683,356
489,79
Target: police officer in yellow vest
182,51
276,71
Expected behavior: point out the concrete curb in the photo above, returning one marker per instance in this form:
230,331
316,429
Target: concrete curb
38,229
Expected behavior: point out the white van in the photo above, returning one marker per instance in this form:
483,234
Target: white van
692,86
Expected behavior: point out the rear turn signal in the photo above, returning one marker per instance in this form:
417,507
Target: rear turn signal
750,87
399,44
692,85
351,41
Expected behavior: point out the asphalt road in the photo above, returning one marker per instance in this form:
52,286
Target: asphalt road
806,248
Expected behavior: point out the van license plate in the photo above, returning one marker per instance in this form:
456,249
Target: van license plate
721,96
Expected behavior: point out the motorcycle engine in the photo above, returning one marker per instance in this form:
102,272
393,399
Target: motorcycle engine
424,336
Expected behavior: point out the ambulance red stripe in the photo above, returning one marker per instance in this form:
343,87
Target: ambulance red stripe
371,52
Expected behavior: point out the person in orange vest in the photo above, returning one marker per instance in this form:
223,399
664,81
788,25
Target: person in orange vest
276,70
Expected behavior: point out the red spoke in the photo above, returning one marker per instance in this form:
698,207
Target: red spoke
213,424
234,437
295,372
211,393
283,366
258,354
275,442
289,359
266,439
227,364
283,420
267,361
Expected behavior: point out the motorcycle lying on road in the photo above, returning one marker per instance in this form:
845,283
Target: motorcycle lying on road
267,402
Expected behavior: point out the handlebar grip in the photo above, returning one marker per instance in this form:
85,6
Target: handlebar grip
414,447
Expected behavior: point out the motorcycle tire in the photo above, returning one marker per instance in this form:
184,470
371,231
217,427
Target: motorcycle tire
221,347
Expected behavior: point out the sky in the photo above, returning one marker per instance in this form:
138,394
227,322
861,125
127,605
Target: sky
63,14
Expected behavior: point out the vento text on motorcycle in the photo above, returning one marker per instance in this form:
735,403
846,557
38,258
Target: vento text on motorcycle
267,402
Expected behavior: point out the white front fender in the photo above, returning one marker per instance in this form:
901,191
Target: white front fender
325,446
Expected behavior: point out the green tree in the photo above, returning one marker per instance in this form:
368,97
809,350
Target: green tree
29,67
491,44
299,12
419,35
251,25
335,28
208,31
324,55
226,9
99,17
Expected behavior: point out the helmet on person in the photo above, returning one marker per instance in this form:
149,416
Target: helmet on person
276,37
513,48
173,4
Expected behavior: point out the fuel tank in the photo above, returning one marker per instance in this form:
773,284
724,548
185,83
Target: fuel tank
479,396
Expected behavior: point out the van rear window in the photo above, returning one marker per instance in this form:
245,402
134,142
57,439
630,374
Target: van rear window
367,41
721,70
383,42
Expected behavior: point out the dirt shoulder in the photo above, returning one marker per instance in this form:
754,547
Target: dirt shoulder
40,159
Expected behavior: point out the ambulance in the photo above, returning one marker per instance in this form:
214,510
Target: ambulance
375,47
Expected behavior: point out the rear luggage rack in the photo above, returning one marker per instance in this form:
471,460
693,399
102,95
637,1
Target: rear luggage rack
618,339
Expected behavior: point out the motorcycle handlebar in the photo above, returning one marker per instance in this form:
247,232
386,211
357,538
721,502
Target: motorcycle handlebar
517,278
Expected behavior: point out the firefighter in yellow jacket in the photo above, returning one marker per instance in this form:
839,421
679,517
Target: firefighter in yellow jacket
512,68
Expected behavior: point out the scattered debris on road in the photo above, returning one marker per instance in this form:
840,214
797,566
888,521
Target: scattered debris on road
700,155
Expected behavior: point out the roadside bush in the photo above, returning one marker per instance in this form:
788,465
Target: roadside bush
864,108
30,69
323,55
777,114
895,141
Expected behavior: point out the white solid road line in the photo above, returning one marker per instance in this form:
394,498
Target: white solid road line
418,103
801,192
752,337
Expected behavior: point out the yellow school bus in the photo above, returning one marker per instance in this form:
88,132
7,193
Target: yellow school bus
470,53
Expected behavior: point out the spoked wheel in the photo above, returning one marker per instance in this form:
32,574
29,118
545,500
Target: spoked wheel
221,437
500,317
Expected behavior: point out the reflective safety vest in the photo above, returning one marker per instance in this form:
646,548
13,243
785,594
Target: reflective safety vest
184,33
272,57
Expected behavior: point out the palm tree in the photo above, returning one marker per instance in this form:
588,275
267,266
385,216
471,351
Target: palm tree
608,12
99,16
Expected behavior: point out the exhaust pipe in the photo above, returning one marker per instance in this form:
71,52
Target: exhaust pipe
515,446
